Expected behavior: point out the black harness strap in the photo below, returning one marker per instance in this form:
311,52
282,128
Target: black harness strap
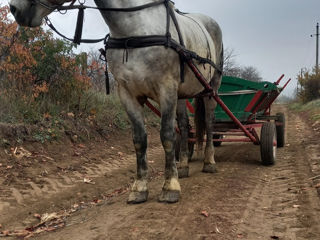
175,21
79,27
49,23
134,42
157,40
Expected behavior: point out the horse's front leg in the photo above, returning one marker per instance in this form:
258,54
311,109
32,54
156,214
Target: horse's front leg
139,190
183,122
209,162
171,188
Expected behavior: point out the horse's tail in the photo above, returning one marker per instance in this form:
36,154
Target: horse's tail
200,119
221,61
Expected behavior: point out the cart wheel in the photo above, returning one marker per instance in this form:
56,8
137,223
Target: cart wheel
217,144
268,143
281,120
177,149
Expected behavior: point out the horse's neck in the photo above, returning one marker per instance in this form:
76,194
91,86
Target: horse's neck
151,21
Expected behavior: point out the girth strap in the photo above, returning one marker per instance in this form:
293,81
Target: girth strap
157,40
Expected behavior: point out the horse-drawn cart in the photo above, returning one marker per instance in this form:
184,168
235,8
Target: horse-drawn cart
243,107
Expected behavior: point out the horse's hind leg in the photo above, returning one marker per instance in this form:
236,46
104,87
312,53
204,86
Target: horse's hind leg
209,163
139,191
171,188
183,122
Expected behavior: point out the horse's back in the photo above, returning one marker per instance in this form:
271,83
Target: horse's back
212,27
205,29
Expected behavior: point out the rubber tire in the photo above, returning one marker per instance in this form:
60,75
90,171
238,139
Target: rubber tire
267,148
281,141
217,144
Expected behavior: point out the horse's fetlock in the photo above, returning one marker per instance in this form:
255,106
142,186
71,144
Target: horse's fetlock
140,186
168,146
172,185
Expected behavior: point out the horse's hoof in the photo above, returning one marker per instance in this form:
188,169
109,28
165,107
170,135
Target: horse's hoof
169,196
183,172
209,168
138,197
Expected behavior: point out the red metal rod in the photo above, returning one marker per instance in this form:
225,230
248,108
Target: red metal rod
234,119
153,108
190,107
276,97
193,140
229,133
286,84
157,112
254,101
279,80
199,75
232,140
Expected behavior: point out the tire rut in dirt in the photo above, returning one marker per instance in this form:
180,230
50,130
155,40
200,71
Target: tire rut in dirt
244,200
284,204
28,196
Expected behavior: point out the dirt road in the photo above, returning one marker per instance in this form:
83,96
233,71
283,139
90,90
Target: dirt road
244,200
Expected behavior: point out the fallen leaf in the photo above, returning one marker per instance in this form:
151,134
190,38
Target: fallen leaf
81,146
70,115
88,181
135,230
5,233
48,217
218,231
21,152
77,154
93,111
47,116
205,213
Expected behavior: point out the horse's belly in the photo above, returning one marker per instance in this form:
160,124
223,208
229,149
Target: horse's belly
191,85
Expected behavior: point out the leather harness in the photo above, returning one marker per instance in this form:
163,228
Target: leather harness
133,42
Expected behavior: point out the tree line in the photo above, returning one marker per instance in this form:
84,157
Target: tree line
308,85
41,71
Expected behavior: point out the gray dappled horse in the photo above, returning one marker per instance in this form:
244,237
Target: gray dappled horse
154,72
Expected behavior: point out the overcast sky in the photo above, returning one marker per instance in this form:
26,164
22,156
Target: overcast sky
272,35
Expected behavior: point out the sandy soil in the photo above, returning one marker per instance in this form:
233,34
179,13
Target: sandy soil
88,185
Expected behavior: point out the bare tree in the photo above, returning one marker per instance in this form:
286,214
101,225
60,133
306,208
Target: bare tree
229,64
232,68
250,73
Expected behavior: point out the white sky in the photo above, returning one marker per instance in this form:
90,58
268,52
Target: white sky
272,35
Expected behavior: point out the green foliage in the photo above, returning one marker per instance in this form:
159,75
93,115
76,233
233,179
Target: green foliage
45,84
309,86
312,109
